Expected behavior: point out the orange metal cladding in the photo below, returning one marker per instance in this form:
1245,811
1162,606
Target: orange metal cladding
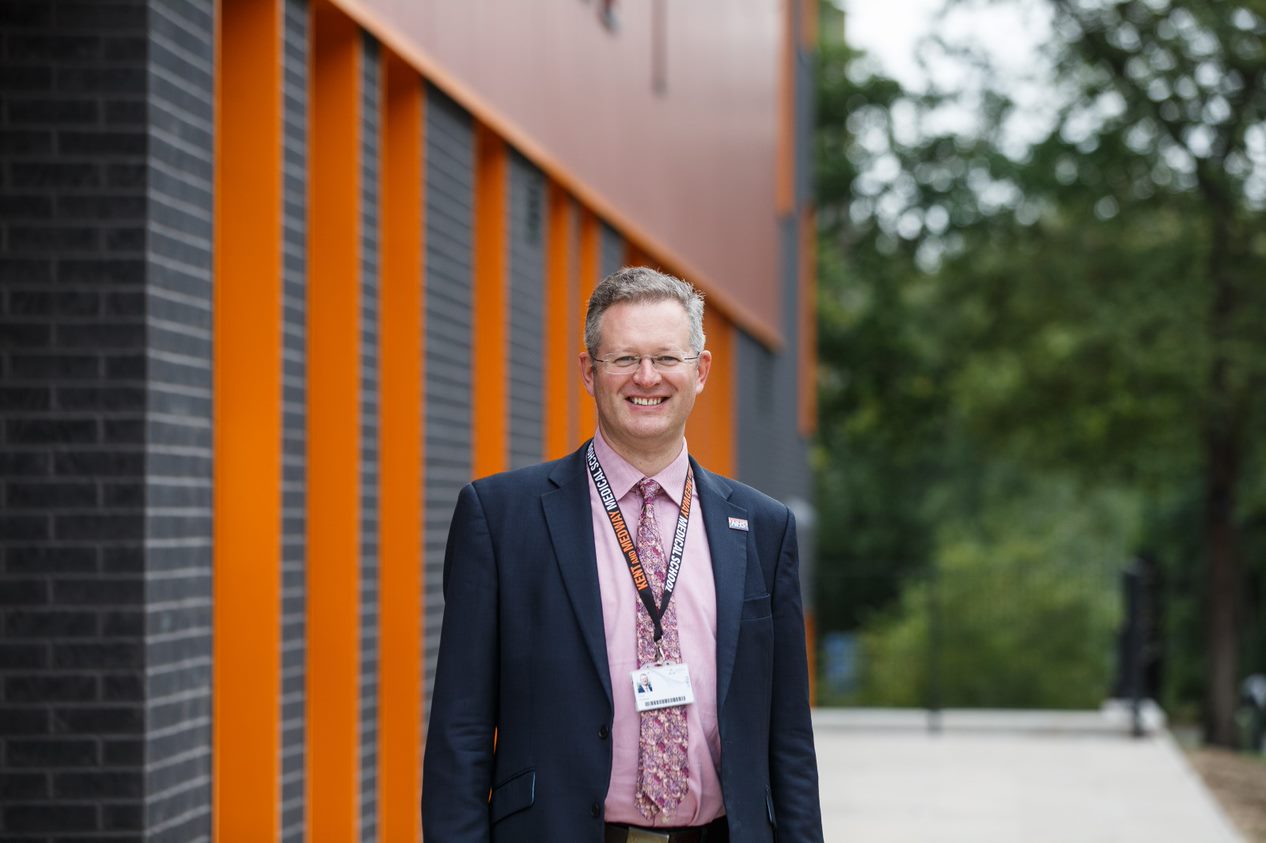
808,334
586,414
561,385
490,380
695,185
333,539
401,528
710,429
247,397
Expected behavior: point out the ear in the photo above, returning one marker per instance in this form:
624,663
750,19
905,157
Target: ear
586,371
702,367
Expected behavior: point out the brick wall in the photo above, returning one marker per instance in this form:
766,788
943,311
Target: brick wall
104,420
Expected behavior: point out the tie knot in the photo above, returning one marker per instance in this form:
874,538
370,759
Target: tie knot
649,489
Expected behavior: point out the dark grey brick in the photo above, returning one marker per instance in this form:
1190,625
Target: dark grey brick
98,592
121,113
25,271
24,528
23,464
126,366
121,687
53,366
23,656
26,722
112,784
55,174
15,786
49,559
45,688
103,463
93,720
50,431
107,270
107,399
132,144
25,141
50,494
122,817
25,398
57,302
123,752
60,817
118,206
26,80
49,623
54,112
25,206
20,14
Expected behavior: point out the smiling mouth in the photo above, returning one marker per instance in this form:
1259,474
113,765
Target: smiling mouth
647,402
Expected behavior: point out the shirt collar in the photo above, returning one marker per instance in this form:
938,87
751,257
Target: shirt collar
623,476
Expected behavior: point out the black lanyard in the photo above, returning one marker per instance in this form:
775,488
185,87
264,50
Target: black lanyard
629,548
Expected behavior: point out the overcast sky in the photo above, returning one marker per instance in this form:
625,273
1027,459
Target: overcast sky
891,29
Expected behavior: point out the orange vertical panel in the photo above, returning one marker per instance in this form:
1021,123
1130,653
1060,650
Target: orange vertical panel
490,359
401,525
633,256
785,148
247,398
560,385
586,414
809,24
808,333
333,540
710,429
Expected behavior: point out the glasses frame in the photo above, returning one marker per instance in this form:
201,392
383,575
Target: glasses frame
640,358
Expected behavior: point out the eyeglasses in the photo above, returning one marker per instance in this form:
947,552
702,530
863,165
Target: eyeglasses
628,363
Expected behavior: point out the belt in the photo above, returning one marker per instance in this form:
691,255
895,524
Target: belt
717,831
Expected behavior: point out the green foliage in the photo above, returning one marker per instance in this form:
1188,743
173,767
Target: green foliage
1021,612
1022,340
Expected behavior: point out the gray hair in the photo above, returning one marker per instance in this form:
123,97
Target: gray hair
641,284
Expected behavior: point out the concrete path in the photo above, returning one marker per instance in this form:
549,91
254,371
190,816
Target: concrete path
1007,777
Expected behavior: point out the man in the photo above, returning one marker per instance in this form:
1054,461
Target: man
565,582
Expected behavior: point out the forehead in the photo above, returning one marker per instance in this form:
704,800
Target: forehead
657,324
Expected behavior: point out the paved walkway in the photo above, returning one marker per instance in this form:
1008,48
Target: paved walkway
1007,777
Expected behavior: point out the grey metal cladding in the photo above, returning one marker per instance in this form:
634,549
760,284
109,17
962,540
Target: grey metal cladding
294,426
611,251
772,455
528,236
449,238
369,396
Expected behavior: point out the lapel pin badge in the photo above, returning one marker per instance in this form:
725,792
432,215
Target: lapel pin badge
738,524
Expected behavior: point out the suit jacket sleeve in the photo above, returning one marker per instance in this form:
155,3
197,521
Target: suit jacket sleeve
457,770
792,760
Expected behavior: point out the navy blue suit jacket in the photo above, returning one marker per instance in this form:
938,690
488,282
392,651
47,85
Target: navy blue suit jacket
518,747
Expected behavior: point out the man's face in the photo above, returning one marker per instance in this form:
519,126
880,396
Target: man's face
646,410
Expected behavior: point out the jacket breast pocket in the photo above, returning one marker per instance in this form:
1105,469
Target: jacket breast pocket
756,608
513,795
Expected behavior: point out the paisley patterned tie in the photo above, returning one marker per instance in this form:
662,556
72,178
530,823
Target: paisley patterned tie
661,764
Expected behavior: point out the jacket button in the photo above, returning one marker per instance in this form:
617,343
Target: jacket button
595,809
604,732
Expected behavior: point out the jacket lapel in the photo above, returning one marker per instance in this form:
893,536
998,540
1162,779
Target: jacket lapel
729,568
568,514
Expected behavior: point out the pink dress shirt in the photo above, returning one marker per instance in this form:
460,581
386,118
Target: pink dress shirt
695,598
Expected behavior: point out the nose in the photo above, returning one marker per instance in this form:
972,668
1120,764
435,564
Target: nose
646,373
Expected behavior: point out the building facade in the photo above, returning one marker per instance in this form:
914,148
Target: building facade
278,278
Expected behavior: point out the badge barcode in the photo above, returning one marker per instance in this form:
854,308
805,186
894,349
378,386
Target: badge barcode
670,701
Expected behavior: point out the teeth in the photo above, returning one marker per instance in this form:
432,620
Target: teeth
647,402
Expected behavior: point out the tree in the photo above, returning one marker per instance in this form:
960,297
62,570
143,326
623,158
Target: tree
1088,303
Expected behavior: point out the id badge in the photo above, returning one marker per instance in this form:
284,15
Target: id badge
661,686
